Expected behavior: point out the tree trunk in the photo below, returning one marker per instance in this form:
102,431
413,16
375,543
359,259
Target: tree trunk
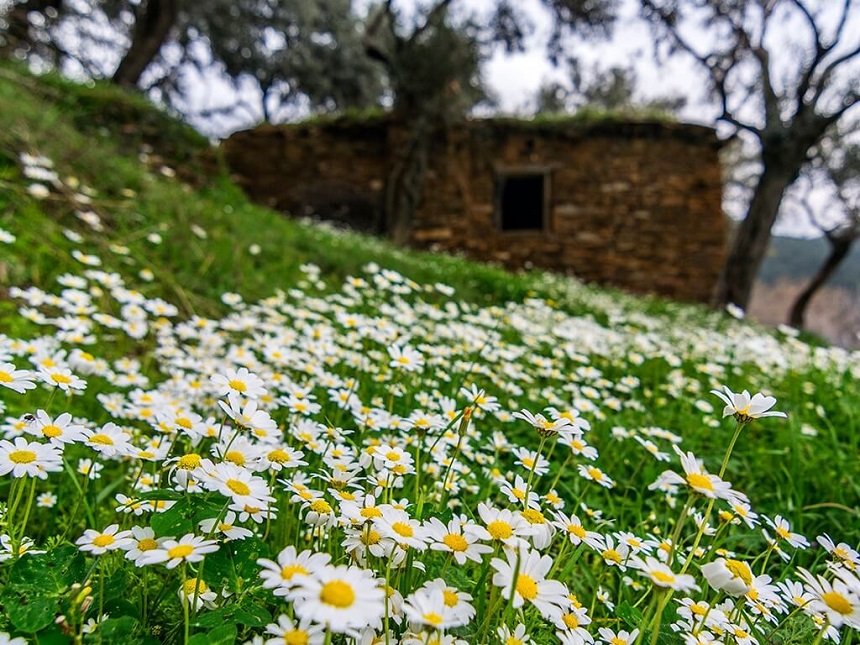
151,30
405,183
18,24
751,239
840,245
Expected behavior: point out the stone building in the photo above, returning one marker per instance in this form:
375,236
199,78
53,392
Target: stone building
635,205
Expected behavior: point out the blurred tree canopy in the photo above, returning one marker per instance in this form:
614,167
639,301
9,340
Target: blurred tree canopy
782,89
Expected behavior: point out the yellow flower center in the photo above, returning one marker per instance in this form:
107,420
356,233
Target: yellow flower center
455,542
570,621
450,597
595,473
238,385
180,551
533,516
192,586
403,529
321,506
278,456
577,530
432,618
238,487
5,377
102,439
783,533
371,537
291,570
703,482
189,461
103,540
61,379
661,577
296,637
613,555
740,570
527,586
236,457
338,593
22,456
837,602
499,530
393,455
699,610
370,512
618,641
519,494
51,431
147,544
184,422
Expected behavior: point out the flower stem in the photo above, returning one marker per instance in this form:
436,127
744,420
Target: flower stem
725,464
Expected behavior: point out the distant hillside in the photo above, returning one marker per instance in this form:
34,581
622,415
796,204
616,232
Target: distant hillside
792,259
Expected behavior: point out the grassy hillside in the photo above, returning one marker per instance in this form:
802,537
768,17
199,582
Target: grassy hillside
250,386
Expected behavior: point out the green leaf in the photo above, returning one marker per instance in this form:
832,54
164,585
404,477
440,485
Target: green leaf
118,630
173,522
48,573
52,635
30,613
223,635
631,616
247,614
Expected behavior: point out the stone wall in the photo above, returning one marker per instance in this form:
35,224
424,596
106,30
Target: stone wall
633,205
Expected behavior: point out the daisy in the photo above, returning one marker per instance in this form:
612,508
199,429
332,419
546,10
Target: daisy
842,552
189,548
98,542
746,408
837,601
427,607
662,576
226,527
734,577
61,377
110,440
141,540
783,532
239,382
531,460
501,525
58,431
284,574
15,379
398,526
236,483
287,631
524,575
516,637
342,598
29,459
197,593
698,480
405,358
545,427
516,493
621,637
456,538
593,473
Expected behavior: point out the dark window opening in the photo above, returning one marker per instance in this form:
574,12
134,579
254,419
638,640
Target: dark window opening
522,202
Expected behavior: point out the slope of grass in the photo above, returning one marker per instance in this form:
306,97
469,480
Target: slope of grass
133,192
